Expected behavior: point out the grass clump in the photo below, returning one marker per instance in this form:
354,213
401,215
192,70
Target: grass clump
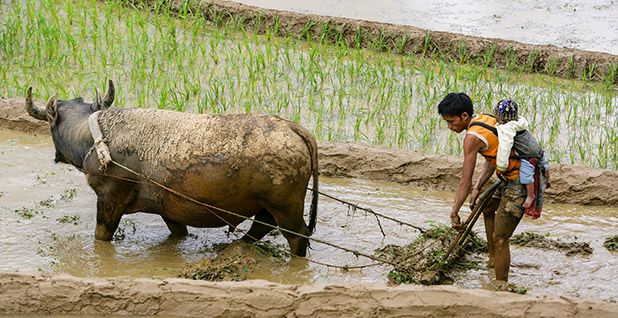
27,213
69,219
511,287
422,261
236,262
611,243
540,241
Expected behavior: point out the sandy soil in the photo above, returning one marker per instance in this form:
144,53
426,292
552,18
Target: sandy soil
62,294
549,59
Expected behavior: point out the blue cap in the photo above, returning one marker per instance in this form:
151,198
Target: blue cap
505,111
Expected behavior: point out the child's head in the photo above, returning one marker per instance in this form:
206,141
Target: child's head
505,111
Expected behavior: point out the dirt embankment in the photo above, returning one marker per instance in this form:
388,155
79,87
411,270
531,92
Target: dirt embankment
570,184
24,293
13,115
547,59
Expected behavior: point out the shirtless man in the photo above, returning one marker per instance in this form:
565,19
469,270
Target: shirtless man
504,211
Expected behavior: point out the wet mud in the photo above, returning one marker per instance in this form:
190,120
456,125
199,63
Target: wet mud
579,24
548,59
570,184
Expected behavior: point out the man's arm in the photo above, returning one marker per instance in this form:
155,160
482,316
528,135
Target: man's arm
471,146
486,173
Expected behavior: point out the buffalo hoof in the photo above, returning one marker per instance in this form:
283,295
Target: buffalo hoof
101,233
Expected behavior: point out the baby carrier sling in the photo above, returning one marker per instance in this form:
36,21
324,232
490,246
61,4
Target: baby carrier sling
528,148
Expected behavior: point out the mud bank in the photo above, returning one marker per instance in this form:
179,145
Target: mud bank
570,184
547,59
27,293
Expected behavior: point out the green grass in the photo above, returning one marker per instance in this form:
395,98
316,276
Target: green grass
340,91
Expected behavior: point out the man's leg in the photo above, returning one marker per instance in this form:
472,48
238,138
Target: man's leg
507,218
489,216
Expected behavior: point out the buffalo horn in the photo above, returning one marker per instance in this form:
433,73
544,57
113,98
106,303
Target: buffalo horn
97,104
109,96
33,110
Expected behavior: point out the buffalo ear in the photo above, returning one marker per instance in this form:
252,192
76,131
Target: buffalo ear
52,110
97,104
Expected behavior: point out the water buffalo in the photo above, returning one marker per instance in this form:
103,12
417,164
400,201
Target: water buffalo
249,164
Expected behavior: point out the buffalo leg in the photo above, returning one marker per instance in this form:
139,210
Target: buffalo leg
176,228
257,230
108,218
291,218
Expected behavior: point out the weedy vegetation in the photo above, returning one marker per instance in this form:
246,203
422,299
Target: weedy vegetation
423,260
611,243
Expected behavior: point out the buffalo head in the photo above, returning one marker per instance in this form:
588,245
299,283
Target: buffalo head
69,123
50,113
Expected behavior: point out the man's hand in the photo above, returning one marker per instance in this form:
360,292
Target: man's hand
456,223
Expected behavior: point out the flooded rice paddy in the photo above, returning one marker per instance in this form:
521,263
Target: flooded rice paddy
586,25
338,92
47,213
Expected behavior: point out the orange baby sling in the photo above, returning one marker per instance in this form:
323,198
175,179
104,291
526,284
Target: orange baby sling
485,127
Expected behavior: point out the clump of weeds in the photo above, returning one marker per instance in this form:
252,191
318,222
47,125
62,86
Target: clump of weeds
236,262
126,228
422,261
510,287
64,197
27,213
73,219
611,243
58,246
541,241
43,179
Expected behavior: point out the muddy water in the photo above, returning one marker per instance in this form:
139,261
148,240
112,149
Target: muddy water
583,24
47,216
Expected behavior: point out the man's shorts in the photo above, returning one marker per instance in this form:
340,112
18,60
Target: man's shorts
510,197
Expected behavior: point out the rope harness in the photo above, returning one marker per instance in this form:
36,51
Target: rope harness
104,157
99,143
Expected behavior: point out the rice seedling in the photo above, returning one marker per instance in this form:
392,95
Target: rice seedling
571,67
532,57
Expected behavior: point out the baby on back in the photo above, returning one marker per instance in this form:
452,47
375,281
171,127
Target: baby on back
513,134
